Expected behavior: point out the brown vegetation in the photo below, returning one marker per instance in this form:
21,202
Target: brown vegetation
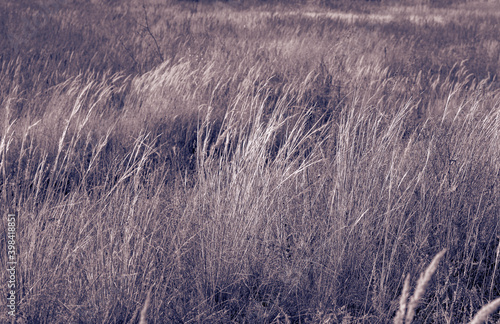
217,164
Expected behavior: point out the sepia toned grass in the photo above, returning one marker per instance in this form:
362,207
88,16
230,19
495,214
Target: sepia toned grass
423,282
485,311
400,315
221,164
408,306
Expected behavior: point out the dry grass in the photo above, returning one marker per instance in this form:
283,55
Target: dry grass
485,311
408,307
266,167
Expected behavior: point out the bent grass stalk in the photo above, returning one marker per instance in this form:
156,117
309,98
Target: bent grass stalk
403,301
486,311
423,282
144,310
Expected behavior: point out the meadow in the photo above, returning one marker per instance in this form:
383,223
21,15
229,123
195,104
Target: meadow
284,162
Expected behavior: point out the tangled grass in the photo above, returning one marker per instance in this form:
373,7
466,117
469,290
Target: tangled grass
267,167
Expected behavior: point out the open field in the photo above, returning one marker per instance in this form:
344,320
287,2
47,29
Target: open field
252,163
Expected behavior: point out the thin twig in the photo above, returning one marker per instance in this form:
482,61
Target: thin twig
129,52
146,27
